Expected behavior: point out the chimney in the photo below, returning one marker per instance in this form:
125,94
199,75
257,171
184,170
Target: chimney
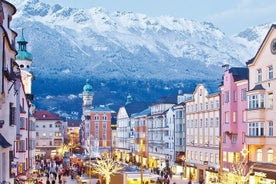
225,67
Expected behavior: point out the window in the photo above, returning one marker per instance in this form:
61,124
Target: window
206,157
21,146
51,125
224,156
270,129
217,121
201,156
234,117
206,106
256,129
235,95
230,157
270,100
195,155
226,96
22,123
259,75
259,155
211,157
226,117
243,94
12,115
211,104
217,104
224,137
206,122
217,158
256,101
244,116
270,72
234,138
270,155
211,122
200,124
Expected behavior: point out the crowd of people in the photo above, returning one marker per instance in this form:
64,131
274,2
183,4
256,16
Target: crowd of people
56,173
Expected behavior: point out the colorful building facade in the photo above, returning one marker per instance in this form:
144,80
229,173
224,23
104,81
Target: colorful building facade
203,131
261,111
233,118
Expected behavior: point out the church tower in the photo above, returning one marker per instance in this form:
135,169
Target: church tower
87,96
24,60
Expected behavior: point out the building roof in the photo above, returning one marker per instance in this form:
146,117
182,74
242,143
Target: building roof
239,73
46,115
145,112
101,108
73,123
273,26
135,107
258,87
3,142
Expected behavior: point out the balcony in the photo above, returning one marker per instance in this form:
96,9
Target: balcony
256,140
256,115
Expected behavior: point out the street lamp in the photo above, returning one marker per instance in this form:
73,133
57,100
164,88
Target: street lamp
141,162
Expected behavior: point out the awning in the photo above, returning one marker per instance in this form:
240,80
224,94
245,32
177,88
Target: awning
3,142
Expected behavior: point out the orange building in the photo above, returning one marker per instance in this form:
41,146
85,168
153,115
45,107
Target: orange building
100,128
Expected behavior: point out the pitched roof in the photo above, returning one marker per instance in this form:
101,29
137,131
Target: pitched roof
46,115
135,107
142,113
239,73
3,142
73,123
273,26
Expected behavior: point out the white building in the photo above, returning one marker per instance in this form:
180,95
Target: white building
125,129
203,131
9,86
49,135
160,135
25,135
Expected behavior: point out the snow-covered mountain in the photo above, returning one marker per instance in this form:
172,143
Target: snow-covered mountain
81,42
94,43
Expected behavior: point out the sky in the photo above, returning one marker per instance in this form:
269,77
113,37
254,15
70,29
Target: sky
230,16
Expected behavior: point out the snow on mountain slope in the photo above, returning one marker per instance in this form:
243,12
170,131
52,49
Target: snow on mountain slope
81,42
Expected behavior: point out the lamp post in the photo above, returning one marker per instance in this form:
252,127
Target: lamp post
141,161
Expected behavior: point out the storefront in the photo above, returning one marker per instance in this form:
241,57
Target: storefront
211,175
263,176
191,172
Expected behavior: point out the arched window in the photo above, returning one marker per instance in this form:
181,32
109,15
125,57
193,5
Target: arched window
270,155
259,155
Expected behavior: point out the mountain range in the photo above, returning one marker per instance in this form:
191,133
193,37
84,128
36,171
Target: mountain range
122,53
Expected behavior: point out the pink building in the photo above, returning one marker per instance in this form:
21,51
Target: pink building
233,116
